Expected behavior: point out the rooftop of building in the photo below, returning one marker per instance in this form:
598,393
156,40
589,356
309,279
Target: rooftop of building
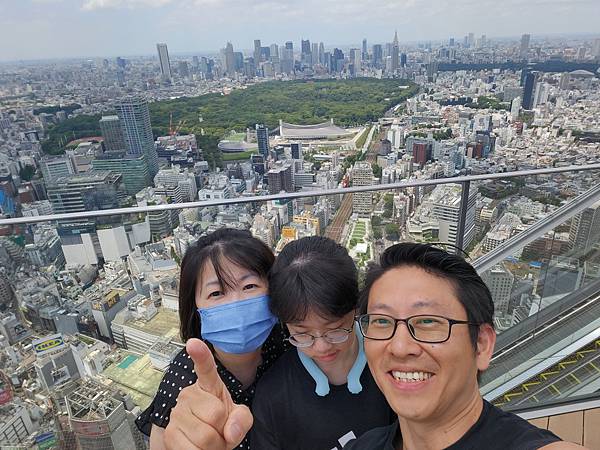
325,129
134,375
165,323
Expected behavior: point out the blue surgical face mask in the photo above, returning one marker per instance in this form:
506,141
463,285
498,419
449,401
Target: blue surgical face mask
238,327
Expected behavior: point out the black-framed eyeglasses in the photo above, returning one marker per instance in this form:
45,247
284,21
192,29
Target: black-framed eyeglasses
337,336
430,329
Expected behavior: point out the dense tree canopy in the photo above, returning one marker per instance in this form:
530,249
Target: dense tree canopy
211,116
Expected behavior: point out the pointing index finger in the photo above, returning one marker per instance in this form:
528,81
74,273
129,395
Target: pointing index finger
206,370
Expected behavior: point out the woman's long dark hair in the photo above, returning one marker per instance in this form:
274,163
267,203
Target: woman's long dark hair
236,246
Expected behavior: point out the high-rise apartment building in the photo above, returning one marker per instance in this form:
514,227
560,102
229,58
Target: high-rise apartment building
500,282
524,50
362,175
256,53
262,137
137,130
112,132
165,64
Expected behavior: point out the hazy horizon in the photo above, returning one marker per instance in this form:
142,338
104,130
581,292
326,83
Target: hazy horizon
74,29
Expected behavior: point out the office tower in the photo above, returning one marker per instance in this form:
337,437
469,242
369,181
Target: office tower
256,53
364,54
262,137
133,168
337,60
377,55
238,64
229,59
585,230
54,167
362,175
281,178
355,57
524,50
529,89
137,130
451,42
515,108
446,207
165,64
321,53
395,54
112,132
184,69
542,91
403,59
296,150
315,53
305,56
305,46
90,191
596,48
274,51
289,45
471,40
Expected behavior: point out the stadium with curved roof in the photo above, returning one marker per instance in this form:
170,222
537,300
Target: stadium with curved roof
325,130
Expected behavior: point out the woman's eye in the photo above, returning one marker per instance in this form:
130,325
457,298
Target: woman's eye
250,286
215,294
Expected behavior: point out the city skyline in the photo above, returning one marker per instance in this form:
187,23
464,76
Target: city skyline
134,27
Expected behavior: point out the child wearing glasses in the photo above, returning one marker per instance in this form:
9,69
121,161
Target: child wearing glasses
321,394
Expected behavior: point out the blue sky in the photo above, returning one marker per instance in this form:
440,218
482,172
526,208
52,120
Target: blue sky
32,29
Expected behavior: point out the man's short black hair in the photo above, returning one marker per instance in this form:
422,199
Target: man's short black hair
313,274
469,288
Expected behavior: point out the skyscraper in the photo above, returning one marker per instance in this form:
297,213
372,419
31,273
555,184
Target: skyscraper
229,59
395,53
165,64
137,130
262,137
364,50
377,55
306,56
529,89
524,51
256,53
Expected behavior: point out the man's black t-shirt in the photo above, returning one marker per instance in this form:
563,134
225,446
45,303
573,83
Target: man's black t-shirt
495,430
289,415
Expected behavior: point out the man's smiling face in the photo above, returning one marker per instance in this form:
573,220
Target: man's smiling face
424,382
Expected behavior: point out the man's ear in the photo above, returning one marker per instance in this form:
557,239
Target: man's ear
486,340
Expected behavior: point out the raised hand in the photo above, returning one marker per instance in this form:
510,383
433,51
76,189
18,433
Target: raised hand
205,417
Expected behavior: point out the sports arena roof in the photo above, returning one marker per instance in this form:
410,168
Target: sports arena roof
325,130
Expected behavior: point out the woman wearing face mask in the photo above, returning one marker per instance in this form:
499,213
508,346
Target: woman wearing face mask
321,394
222,299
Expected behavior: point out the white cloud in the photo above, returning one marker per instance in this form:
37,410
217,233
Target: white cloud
91,5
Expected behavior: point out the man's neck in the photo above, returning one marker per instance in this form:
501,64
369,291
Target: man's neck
440,433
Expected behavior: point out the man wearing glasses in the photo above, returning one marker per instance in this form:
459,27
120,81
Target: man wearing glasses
428,327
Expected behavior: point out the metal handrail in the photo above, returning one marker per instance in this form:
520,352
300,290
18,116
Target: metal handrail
293,195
